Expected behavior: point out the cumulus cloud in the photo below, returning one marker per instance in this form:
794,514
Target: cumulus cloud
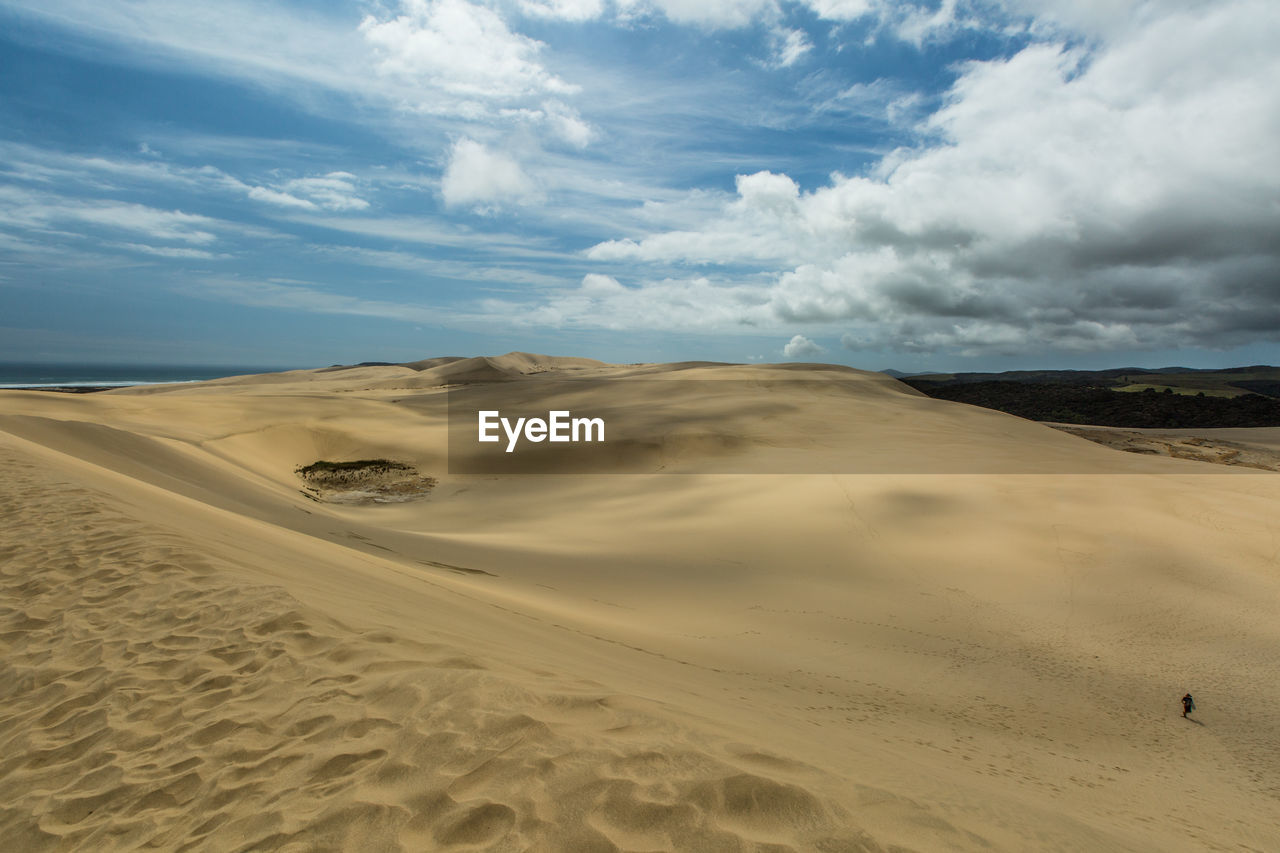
1086,198
763,223
594,284
567,125
479,177
801,347
461,48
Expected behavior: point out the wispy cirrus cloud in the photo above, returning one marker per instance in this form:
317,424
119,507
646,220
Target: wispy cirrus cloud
169,251
703,13
333,191
789,46
510,276
565,10
306,297
43,212
336,190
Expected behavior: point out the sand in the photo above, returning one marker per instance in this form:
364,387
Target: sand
1249,448
198,654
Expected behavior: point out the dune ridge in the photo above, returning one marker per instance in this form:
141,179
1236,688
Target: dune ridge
197,655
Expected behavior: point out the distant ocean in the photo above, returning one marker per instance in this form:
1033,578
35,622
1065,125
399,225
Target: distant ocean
16,375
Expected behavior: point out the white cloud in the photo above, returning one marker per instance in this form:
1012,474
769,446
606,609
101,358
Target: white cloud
63,222
561,120
566,124
565,10
159,224
1121,195
334,191
479,177
884,100
801,347
48,167
789,46
1118,187
596,285
169,251
259,41
461,48
842,10
697,304
766,192
917,24
1100,18
437,57
927,22
763,223
704,13
281,199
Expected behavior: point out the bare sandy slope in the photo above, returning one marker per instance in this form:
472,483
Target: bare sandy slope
197,655
1250,448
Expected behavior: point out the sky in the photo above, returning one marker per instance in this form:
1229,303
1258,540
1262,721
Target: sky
953,185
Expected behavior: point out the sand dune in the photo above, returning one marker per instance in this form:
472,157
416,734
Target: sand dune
198,655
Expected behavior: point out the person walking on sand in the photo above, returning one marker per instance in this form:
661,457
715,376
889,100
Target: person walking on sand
1188,704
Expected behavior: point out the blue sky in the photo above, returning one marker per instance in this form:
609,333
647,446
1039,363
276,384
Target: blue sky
958,184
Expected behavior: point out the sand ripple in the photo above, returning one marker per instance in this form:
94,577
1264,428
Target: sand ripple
150,700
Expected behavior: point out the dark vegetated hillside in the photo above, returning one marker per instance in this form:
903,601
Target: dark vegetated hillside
1100,378
1072,403
1269,387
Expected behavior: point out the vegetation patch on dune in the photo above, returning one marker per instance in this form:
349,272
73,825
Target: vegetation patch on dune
363,481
